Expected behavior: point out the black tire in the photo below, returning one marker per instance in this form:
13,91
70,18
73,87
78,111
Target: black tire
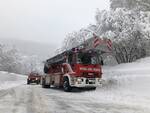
66,85
42,80
28,82
47,86
37,82
44,85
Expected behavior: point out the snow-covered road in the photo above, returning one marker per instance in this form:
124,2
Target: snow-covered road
126,90
34,99
22,99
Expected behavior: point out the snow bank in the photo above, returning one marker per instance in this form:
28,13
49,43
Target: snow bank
9,80
125,84
124,74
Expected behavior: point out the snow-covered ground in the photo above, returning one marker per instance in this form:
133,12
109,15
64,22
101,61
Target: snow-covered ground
125,90
127,86
9,80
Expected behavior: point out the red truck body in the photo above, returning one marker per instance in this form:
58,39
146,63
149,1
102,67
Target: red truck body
70,69
33,78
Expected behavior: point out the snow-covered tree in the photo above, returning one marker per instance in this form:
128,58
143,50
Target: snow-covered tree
8,58
127,24
138,5
128,30
13,61
79,37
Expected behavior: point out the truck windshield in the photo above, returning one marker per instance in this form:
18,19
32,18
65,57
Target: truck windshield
87,58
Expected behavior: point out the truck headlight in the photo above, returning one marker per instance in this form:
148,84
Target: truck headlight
79,80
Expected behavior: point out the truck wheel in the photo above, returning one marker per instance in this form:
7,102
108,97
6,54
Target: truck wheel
47,86
44,85
66,85
37,82
28,82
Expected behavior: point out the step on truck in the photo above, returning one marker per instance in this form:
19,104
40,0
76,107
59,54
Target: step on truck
75,68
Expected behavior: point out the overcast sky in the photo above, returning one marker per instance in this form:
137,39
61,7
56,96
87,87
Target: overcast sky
46,21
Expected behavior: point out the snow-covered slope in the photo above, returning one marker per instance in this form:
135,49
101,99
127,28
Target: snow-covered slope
126,85
9,80
43,51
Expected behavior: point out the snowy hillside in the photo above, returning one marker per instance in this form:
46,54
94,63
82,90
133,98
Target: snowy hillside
9,80
17,57
30,48
126,85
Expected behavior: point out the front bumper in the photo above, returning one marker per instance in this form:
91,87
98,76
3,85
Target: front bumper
82,82
33,80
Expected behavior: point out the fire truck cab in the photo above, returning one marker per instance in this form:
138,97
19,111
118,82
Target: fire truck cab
74,68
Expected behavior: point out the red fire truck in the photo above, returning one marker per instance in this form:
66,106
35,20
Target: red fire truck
33,78
78,68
